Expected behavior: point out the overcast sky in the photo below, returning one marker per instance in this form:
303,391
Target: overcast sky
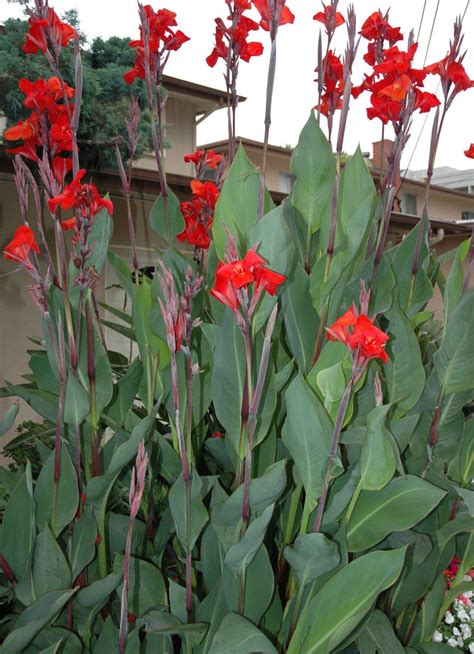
295,90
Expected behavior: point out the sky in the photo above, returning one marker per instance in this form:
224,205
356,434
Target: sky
295,89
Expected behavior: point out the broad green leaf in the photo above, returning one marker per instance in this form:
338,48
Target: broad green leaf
67,499
18,526
170,223
236,635
338,611
8,420
381,633
454,361
314,167
83,542
404,371
212,611
89,601
307,436
125,392
34,618
55,637
123,272
377,458
311,556
177,502
148,343
99,239
146,586
259,587
402,504
466,453
50,568
45,404
455,281
240,555
76,401
237,205
228,373
161,622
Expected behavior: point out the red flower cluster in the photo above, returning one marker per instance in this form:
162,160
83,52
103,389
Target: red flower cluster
42,29
162,39
333,84
234,277
359,333
209,159
198,214
470,151
235,35
263,9
21,245
451,72
331,20
83,197
393,74
48,123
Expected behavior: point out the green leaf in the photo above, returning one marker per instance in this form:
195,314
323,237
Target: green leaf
228,372
338,611
8,420
125,392
34,618
146,586
46,404
148,343
99,239
83,542
123,272
381,633
314,166
377,459
76,402
177,502
454,361
403,503
454,284
18,526
170,228
240,555
67,494
161,622
307,436
237,205
89,601
311,556
404,371
236,635
50,568
301,320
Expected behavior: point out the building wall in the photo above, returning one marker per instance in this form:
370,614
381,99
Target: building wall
180,136
442,206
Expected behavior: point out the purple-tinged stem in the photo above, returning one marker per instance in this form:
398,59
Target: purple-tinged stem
469,265
7,571
91,374
131,227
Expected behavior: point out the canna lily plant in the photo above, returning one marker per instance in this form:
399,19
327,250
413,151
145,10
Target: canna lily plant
286,464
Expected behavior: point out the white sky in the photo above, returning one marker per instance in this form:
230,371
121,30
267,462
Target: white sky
295,90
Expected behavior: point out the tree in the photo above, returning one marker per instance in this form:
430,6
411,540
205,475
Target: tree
105,94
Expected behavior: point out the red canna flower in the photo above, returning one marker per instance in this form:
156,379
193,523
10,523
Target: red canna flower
233,277
194,158
217,434
457,74
24,130
235,35
470,151
68,224
21,245
377,27
263,9
40,29
359,333
209,159
83,197
333,84
208,191
328,19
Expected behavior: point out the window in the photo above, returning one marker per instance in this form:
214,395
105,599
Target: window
467,215
285,182
409,204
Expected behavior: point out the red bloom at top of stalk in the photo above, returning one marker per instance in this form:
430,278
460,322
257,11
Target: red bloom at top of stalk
359,333
209,159
263,9
21,245
328,19
231,278
40,29
333,84
43,94
470,151
162,39
84,197
235,35
377,27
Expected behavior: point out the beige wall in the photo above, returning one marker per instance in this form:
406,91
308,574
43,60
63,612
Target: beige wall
442,205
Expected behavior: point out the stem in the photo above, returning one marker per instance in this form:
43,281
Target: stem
92,383
296,614
289,527
352,503
319,336
267,123
7,571
341,414
124,600
189,404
